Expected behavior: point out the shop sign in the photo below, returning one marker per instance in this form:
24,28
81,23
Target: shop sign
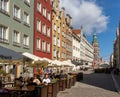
5,57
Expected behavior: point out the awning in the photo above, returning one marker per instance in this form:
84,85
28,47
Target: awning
68,63
31,56
8,54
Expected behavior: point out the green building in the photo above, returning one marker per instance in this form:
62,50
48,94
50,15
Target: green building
16,25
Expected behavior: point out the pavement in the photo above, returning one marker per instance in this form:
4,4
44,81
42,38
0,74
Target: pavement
94,85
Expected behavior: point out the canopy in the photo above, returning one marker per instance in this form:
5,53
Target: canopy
49,60
68,63
56,62
31,56
8,54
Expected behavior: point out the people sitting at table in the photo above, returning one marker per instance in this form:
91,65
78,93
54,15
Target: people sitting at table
36,80
46,79
57,75
10,77
62,75
19,82
30,82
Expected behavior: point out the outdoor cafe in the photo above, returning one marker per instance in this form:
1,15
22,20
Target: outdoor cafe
26,75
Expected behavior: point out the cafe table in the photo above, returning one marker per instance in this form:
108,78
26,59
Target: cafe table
20,91
7,84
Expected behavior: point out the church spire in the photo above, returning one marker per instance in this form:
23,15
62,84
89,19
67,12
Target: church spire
95,40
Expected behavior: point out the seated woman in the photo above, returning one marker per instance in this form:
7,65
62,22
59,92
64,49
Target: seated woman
30,82
36,80
46,79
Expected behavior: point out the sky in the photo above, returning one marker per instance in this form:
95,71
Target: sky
95,16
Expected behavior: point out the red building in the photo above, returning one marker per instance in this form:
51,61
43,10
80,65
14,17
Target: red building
43,28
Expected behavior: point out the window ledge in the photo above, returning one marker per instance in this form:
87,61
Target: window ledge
4,12
26,24
16,44
17,19
4,41
26,47
37,49
27,3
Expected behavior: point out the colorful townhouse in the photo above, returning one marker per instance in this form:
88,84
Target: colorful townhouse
16,27
43,28
56,24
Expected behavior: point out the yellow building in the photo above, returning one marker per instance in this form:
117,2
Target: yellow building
68,37
56,21
63,36
62,33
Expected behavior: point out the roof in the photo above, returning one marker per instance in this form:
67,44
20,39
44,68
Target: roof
76,31
95,40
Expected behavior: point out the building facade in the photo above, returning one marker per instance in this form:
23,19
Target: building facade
43,28
56,24
16,28
111,60
63,35
16,25
68,37
116,50
86,49
75,46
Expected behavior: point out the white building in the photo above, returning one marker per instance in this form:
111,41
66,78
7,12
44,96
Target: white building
86,49
75,46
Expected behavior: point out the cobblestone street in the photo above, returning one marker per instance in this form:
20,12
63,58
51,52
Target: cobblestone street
93,85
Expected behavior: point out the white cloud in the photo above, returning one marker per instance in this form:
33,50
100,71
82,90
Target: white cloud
86,13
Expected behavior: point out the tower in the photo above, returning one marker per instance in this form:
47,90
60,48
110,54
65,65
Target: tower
96,51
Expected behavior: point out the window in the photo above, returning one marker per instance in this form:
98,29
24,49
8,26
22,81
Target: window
3,33
63,25
49,16
44,12
26,40
38,44
16,12
54,53
44,29
48,31
58,42
56,17
43,46
58,29
55,27
39,7
48,47
4,5
16,37
54,41
26,18
38,25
